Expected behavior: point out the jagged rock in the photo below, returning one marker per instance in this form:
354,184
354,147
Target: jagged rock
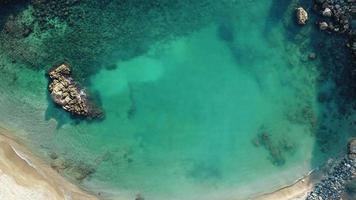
66,93
302,16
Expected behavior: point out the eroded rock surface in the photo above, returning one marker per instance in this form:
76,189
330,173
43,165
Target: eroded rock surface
66,93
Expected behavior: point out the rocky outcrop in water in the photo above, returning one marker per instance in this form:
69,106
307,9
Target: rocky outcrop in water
67,94
339,17
302,16
338,12
333,185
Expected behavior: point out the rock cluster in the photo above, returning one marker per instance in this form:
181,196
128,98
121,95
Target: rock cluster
339,16
302,16
332,187
338,12
66,93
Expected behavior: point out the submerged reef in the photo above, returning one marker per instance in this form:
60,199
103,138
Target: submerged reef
94,33
68,94
278,148
78,170
337,18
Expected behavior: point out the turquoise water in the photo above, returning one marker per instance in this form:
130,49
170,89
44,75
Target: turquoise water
183,119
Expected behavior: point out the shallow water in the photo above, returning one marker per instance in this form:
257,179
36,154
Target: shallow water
184,120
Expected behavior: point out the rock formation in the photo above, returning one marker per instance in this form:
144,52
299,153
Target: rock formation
302,16
66,93
333,185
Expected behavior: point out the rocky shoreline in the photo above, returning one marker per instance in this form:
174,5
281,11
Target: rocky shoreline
333,185
66,93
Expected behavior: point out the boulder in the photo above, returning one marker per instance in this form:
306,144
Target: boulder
323,26
327,12
302,16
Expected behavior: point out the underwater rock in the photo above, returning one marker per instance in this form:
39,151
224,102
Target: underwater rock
81,171
352,149
302,16
53,155
312,56
139,197
323,26
66,93
275,151
327,12
59,164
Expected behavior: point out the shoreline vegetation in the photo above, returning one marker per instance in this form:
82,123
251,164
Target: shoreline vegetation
25,177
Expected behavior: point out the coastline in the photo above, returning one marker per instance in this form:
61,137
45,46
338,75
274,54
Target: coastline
25,177
295,191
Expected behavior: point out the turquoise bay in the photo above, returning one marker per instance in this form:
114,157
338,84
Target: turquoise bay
225,112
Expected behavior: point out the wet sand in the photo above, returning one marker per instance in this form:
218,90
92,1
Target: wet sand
24,177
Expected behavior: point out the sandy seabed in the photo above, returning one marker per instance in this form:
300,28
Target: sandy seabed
25,177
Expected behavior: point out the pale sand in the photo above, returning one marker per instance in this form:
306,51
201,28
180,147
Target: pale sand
24,177
296,191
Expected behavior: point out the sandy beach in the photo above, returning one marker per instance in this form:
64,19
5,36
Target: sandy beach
25,177
296,191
